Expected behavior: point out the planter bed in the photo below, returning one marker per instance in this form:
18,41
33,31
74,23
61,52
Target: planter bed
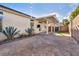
15,39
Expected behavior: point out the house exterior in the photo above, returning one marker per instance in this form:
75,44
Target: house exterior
46,24
74,28
11,17
14,18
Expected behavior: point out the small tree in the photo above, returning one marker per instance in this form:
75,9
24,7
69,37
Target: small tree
10,32
65,22
74,13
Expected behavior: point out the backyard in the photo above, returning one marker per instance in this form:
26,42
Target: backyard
41,45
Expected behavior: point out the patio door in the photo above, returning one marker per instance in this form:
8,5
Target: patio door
56,29
49,29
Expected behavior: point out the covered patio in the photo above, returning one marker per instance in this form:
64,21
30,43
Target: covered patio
50,23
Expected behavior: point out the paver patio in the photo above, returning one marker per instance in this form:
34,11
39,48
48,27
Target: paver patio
41,45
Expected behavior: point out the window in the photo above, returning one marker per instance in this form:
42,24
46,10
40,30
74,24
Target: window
1,13
1,16
31,20
38,26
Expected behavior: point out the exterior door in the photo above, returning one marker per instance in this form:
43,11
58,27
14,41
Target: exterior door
56,29
49,29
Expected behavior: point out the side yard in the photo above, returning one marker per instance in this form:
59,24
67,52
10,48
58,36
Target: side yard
63,34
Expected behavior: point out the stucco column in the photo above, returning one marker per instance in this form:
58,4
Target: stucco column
58,25
51,28
54,28
47,28
70,28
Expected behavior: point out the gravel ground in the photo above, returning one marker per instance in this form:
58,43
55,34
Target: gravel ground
41,45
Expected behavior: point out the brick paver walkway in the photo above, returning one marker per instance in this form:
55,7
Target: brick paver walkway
41,45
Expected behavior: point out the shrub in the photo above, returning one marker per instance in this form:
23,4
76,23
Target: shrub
10,32
29,31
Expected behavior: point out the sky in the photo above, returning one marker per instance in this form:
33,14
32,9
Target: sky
62,10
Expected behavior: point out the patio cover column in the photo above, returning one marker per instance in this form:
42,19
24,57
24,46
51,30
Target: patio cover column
47,28
54,27
51,28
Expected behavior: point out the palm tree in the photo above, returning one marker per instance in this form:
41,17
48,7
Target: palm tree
10,32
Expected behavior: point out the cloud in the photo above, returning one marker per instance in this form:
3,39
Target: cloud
69,13
59,17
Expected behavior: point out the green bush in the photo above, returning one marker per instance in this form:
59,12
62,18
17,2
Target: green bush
10,32
74,13
29,31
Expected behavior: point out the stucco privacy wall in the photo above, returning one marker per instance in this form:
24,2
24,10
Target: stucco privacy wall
75,28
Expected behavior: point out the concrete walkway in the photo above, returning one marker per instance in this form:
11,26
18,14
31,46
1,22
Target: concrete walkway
42,45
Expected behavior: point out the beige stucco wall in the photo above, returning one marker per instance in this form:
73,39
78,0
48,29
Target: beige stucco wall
42,27
10,19
19,22
75,26
36,30
69,28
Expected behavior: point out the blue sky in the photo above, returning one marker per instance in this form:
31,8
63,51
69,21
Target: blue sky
62,10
